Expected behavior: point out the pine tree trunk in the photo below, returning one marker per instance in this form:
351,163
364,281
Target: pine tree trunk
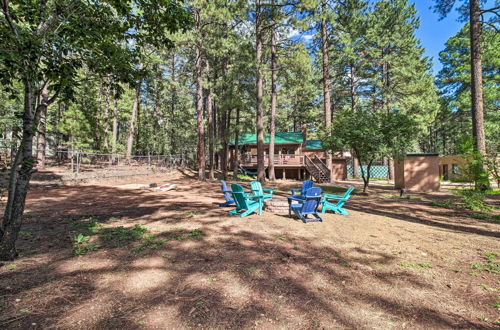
226,123
274,97
261,172
114,138
326,84
236,144
477,78
106,118
390,168
20,175
133,118
199,114
210,127
137,139
353,88
173,147
42,127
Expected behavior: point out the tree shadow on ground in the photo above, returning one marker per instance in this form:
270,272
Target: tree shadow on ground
257,281
230,275
427,216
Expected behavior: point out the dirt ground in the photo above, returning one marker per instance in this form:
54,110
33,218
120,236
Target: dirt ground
175,260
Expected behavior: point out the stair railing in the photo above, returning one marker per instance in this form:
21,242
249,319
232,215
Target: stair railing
313,168
322,166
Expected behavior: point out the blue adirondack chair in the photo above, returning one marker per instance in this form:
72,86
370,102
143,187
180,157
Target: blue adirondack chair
337,206
227,194
257,190
301,193
244,202
308,205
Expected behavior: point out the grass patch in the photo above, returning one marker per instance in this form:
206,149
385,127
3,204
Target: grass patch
333,189
488,288
491,265
425,265
407,265
11,267
254,271
89,226
120,236
447,204
79,251
25,234
153,243
480,216
281,237
149,244
242,177
195,233
415,266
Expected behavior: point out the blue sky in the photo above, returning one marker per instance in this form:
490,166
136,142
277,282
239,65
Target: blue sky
434,33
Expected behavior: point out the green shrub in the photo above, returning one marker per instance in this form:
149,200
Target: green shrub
80,238
474,200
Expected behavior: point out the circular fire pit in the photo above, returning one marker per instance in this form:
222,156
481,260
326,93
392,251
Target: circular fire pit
276,206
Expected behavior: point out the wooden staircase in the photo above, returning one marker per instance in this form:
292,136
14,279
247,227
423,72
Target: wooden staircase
318,169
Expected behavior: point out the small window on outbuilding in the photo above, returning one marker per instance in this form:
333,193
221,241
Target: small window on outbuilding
454,168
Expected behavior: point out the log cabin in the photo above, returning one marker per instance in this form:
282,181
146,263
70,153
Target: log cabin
295,157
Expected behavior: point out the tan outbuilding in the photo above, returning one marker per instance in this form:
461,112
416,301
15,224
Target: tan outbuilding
449,166
417,172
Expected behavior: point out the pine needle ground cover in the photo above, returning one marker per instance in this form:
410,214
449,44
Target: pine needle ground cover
105,255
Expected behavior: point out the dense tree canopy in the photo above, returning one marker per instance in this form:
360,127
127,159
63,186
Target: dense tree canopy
186,77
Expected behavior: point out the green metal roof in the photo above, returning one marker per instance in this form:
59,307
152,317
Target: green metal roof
280,138
313,144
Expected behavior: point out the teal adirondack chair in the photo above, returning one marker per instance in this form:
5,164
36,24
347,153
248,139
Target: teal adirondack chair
257,190
328,204
246,203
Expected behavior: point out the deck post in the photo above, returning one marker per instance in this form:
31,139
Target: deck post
300,174
284,175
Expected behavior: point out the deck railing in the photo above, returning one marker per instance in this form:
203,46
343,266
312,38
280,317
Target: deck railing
285,159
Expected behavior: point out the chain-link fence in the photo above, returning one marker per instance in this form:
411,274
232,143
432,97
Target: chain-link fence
82,164
376,171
